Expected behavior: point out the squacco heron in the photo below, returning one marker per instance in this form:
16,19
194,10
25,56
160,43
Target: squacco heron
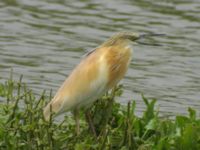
98,72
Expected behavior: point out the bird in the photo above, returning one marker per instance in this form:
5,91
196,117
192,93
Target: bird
99,71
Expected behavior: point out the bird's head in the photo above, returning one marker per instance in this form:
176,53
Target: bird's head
124,38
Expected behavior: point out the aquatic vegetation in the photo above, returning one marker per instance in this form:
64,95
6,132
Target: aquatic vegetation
22,125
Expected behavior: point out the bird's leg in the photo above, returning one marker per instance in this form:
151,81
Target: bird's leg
90,122
76,117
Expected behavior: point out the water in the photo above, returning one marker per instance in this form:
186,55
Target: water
45,39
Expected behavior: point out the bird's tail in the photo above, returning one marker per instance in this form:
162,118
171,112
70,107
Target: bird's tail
53,107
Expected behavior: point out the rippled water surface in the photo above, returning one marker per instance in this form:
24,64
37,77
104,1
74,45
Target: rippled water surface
45,39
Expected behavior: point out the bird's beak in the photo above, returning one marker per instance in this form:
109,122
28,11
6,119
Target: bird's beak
142,36
150,34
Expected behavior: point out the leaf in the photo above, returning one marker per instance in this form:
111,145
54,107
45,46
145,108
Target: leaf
192,114
149,112
152,124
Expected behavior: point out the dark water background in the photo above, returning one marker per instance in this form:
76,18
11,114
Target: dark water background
45,39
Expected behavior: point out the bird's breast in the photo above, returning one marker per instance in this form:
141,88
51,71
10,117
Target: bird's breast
118,59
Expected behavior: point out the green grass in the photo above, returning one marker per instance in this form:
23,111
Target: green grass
23,127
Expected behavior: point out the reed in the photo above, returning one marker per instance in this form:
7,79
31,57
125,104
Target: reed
22,125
